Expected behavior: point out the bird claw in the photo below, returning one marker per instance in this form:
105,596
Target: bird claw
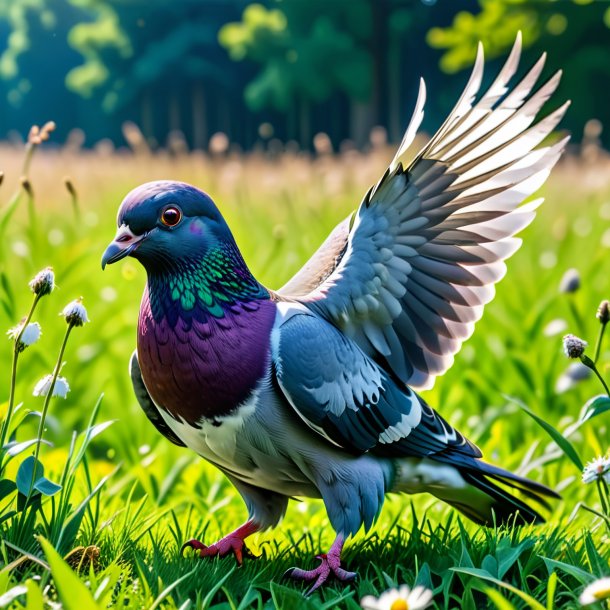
222,548
330,565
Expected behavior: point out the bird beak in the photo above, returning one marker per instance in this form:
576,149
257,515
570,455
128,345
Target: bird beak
124,243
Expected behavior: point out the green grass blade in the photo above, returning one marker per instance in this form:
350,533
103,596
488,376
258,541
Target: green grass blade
563,443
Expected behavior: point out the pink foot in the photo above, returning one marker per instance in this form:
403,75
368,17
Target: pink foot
232,543
222,548
330,564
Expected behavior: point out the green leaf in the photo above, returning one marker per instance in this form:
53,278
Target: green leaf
14,449
29,472
594,407
581,575
186,576
483,575
6,516
551,587
6,487
35,600
498,599
563,443
207,600
508,556
47,487
72,592
284,597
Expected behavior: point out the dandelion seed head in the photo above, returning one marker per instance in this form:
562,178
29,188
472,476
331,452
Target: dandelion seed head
596,470
75,313
603,312
43,282
30,335
573,346
60,389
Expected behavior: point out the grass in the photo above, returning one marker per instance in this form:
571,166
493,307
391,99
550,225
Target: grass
134,498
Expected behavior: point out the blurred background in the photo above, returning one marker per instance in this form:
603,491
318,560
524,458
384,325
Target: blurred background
260,74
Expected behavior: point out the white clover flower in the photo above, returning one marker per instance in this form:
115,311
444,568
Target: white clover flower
402,598
597,591
30,335
60,389
597,469
573,346
75,313
43,282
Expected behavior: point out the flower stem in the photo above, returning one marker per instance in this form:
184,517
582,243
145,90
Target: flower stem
598,345
45,409
27,159
47,400
576,315
11,398
588,362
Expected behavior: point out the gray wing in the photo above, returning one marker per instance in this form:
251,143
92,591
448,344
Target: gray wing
147,404
351,401
411,276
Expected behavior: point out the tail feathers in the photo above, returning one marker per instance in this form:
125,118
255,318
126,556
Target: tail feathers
502,507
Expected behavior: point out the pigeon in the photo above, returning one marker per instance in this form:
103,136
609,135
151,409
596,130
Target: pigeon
311,390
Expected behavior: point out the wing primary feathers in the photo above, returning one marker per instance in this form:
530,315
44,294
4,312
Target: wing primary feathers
431,237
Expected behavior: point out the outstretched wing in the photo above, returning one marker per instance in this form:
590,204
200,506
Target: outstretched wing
350,400
409,279
146,402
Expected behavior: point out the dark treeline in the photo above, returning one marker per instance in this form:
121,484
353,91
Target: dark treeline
277,69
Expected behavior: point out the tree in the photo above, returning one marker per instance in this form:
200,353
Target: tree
308,51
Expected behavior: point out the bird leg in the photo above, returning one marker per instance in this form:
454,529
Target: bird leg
231,543
330,563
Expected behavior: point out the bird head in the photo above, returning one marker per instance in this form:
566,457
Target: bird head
163,223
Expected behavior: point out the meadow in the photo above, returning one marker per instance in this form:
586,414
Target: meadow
129,498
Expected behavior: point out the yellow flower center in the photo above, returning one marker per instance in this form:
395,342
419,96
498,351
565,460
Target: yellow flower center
602,593
400,604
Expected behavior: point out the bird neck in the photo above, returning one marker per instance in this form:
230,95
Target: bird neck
203,286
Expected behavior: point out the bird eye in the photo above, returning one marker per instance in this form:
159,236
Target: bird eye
171,216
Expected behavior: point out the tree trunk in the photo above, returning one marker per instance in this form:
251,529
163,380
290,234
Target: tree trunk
361,122
174,118
146,114
305,123
394,75
200,127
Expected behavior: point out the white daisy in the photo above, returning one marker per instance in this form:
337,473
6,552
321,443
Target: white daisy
597,469
60,389
597,591
75,313
402,598
30,335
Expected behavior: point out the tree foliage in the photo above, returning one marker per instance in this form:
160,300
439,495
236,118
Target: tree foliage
307,51
303,66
